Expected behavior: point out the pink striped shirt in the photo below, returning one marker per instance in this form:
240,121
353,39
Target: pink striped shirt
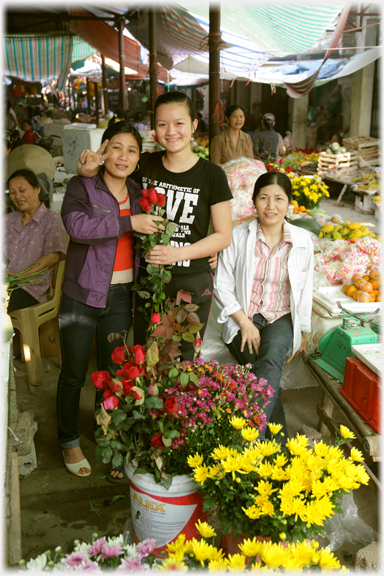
271,287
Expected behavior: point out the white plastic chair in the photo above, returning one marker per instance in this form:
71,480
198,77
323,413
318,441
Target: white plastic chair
28,321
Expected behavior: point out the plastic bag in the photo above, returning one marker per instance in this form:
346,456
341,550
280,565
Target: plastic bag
242,174
347,527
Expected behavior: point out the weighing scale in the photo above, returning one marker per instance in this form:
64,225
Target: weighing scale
336,344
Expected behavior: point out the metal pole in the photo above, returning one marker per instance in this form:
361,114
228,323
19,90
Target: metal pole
105,89
123,94
88,97
96,102
214,71
152,63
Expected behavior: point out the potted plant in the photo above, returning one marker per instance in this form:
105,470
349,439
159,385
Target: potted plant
282,495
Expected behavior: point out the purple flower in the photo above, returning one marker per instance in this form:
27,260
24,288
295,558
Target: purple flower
130,565
96,547
145,548
270,391
86,566
111,551
74,559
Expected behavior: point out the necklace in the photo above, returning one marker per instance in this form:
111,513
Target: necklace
125,199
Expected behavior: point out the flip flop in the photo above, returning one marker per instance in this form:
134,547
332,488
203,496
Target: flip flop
74,468
117,480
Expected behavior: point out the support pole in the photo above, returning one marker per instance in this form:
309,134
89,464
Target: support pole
123,93
152,63
214,71
88,97
96,102
105,89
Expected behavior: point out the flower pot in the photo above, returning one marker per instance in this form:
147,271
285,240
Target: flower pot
163,514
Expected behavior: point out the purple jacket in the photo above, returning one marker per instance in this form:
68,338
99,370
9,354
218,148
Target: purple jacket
91,216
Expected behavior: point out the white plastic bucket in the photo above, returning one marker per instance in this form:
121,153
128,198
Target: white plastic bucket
163,514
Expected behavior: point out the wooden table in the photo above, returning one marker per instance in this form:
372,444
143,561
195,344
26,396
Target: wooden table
367,439
346,182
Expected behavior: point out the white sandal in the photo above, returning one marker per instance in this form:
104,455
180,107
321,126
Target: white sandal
74,468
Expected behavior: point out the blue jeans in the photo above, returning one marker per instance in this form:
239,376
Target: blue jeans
78,323
276,339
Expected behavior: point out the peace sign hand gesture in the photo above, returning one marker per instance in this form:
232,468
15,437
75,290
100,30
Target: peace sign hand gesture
89,162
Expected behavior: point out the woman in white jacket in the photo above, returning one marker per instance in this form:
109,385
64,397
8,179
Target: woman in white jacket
263,288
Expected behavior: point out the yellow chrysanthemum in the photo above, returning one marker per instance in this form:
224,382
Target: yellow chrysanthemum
236,563
250,547
172,565
346,433
196,460
220,453
265,469
268,447
297,446
201,474
327,560
265,488
215,472
273,555
280,460
356,455
252,512
274,428
321,449
238,423
249,434
178,544
205,530
218,565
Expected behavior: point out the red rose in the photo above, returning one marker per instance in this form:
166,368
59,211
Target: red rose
161,198
198,342
127,386
170,405
118,355
281,160
157,441
138,354
111,402
101,379
133,371
155,319
144,193
152,195
145,204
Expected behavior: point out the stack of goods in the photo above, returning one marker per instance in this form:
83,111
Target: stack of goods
338,160
366,148
302,157
366,288
370,180
242,174
340,260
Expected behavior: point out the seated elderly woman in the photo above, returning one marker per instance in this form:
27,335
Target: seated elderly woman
33,235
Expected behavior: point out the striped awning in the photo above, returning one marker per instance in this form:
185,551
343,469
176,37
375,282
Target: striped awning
274,27
38,57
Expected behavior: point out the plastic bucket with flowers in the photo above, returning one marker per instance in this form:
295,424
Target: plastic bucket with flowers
163,514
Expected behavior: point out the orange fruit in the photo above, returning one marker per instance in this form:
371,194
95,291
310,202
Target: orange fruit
295,203
366,287
363,297
351,290
355,277
375,292
356,294
372,298
375,284
359,282
307,210
345,287
374,274
301,208
378,298
366,277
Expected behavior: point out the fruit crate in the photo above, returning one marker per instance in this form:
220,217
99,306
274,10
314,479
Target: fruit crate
338,164
361,389
368,149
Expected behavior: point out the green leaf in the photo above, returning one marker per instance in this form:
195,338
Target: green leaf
116,445
166,482
137,415
184,378
152,270
102,442
118,419
99,453
194,379
140,471
117,460
153,403
176,338
107,455
171,434
144,294
173,373
170,228
136,287
165,238
188,337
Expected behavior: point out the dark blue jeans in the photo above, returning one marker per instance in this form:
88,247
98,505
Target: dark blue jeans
77,324
276,339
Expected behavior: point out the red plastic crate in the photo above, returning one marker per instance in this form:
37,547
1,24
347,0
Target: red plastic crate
361,388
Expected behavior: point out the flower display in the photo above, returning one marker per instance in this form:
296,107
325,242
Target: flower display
242,174
102,554
308,190
255,555
164,414
269,491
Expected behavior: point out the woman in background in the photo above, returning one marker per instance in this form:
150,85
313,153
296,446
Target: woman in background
269,145
232,142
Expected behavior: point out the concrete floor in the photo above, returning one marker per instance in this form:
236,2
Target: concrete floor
55,505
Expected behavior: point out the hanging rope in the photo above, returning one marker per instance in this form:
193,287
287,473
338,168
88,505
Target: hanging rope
205,42
218,112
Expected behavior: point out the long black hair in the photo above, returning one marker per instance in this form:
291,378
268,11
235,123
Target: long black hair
27,174
269,178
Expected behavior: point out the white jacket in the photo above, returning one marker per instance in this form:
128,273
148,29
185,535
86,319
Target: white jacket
235,274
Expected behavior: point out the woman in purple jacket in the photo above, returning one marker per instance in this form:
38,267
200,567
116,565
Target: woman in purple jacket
100,215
